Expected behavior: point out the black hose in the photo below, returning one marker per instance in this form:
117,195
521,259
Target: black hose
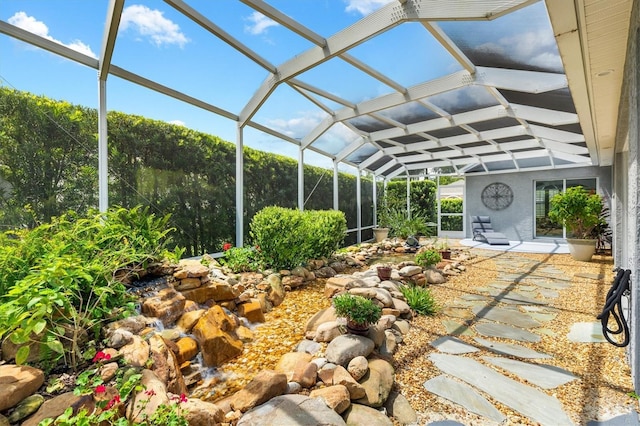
621,285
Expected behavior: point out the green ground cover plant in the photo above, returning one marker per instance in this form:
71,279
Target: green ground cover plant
63,279
420,299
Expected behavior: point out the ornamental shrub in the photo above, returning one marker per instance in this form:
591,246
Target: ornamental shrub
288,237
60,277
420,299
428,258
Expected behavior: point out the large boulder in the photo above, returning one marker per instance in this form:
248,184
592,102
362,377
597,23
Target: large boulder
296,410
147,401
52,408
167,306
165,365
18,382
265,385
215,334
336,397
291,362
344,348
202,413
357,415
377,383
135,353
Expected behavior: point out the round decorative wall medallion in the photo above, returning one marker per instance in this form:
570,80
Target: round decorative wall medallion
497,196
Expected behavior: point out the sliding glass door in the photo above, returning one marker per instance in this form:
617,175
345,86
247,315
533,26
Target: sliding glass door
544,191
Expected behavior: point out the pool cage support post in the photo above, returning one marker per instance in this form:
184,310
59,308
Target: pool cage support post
239,187
103,180
301,178
359,205
374,194
336,181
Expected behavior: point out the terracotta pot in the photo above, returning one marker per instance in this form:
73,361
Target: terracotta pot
446,254
359,329
384,273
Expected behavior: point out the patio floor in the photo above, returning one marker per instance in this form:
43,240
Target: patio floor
518,342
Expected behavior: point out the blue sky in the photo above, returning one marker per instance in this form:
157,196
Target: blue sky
158,43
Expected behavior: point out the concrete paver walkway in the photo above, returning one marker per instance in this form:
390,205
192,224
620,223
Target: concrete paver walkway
514,308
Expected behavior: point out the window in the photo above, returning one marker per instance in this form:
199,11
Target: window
544,192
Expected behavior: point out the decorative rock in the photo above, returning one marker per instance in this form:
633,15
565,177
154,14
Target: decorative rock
377,383
376,333
52,408
18,382
188,283
266,385
328,331
322,316
108,371
292,361
402,326
146,402
336,397
325,373
4,421
410,270
211,291
135,353
211,332
119,338
134,324
325,272
358,414
292,281
434,277
244,333
252,311
338,284
386,321
276,292
308,346
293,387
399,408
165,365
202,413
358,367
189,268
389,346
170,334
292,409
187,349
305,374
189,319
344,348
401,306
167,306
26,407
342,377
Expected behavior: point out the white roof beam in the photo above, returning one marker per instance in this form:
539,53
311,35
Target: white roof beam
109,37
386,166
571,158
565,147
555,134
543,115
396,172
451,47
205,23
521,81
369,161
46,44
349,149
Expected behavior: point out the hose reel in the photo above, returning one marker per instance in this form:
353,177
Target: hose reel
613,308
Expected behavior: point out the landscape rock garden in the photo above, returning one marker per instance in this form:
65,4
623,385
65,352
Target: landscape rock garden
197,315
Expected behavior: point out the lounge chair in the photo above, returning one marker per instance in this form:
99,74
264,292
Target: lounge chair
483,231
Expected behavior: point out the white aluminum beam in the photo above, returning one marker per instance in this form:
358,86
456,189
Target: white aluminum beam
239,187
544,115
375,157
520,81
451,47
114,13
556,135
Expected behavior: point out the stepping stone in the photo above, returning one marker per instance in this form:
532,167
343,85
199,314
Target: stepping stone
451,345
511,349
464,395
507,316
457,329
528,401
503,285
586,332
547,332
629,419
514,278
543,375
461,313
515,298
553,285
527,288
549,294
542,316
506,332
475,297
590,276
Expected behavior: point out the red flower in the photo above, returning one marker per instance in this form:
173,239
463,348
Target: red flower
101,389
114,401
183,398
150,392
226,246
100,356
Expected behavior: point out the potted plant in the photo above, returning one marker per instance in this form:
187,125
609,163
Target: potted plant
427,258
443,247
359,311
381,231
579,211
384,271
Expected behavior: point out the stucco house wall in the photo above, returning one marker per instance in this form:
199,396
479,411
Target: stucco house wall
517,221
626,190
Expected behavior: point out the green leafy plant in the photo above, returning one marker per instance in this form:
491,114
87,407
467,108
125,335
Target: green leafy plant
64,278
241,259
427,258
578,210
420,299
357,309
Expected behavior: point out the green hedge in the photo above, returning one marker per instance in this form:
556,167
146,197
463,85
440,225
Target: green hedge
287,238
49,160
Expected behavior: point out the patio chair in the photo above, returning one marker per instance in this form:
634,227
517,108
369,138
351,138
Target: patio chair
483,231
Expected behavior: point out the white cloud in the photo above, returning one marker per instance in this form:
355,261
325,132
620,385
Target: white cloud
259,23
177,122
152,24
365,7
31,24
